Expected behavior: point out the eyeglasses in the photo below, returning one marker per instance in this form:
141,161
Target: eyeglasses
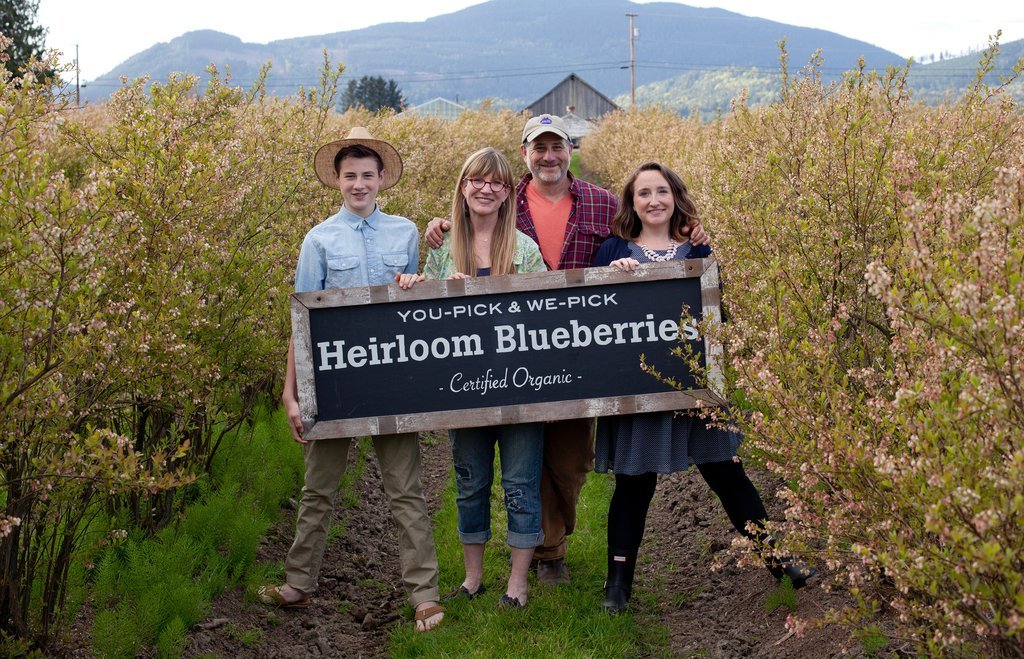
479,184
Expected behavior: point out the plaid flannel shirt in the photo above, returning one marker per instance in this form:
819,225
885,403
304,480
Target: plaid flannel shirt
590,221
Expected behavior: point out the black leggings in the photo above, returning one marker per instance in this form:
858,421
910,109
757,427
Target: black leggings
627,513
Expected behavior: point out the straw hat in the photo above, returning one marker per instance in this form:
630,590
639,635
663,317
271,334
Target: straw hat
323,161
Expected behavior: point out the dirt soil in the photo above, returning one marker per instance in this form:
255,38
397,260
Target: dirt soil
722,612
359,597
707,613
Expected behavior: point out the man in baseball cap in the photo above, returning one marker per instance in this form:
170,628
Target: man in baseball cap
545,123
569,219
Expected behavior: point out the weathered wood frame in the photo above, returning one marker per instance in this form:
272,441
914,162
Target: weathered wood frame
302,303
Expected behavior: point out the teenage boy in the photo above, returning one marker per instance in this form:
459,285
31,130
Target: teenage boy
358,246
569,219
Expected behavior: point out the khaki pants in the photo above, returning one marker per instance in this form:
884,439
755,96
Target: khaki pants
568,456
399,458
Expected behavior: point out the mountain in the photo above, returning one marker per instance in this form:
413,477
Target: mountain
513,50
708,92
711,91
939,80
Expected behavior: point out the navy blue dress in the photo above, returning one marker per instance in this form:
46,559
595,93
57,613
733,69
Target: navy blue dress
658,442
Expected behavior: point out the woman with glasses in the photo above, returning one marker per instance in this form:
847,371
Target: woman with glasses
484,241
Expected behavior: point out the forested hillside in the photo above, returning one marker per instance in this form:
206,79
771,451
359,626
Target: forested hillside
513,50
710,91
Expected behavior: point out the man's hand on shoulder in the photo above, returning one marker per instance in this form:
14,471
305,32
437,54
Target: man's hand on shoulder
698,236
436,228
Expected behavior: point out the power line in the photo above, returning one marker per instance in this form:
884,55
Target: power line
518,72
919,71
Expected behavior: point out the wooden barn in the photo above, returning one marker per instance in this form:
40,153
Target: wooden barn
576,102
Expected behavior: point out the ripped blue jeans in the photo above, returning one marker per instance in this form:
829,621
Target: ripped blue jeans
521,450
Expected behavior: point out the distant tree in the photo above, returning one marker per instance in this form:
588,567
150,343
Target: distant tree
18,22
373,93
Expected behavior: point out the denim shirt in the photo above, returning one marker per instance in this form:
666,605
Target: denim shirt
346,250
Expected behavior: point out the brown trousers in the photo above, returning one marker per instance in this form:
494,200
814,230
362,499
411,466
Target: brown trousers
568,456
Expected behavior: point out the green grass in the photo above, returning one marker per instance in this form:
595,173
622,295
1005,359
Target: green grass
562,621
349,497
13,646
781,595
574,164
247,637
872,640
150,591
682,600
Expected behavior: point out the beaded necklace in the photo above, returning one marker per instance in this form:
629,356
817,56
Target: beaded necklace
654,256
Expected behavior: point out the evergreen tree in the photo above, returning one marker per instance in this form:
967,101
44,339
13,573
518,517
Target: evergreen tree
18,22
373,93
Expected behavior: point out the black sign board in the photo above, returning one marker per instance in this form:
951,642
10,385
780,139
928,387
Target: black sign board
492,350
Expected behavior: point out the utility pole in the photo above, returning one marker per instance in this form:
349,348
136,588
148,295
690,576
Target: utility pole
78,88
632,64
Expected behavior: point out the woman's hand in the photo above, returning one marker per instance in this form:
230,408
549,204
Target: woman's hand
626,264
407,281
458,275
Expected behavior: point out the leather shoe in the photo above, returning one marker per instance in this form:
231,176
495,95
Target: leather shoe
553,572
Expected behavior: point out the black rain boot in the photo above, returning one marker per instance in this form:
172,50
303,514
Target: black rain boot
742,503
797,571
619,586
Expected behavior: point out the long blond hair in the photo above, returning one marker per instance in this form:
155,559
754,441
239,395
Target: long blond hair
488,164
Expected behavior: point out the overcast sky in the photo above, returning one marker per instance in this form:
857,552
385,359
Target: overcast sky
108,32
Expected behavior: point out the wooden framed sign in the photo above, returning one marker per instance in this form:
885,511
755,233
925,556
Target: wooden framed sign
493,350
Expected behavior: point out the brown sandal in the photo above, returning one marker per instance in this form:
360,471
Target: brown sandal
271,595
425,614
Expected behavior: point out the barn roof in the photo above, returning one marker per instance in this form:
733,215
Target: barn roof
573,95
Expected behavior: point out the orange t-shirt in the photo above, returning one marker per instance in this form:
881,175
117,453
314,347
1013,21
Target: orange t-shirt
550,219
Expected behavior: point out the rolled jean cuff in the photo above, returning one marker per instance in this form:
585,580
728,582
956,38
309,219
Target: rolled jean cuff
525,540
475,538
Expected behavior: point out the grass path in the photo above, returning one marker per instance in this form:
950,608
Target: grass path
563,621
